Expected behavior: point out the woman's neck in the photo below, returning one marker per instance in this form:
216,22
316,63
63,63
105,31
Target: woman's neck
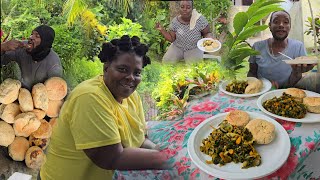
185,20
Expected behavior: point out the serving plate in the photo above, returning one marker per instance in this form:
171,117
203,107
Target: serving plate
202,48
265,88
309,118
270,161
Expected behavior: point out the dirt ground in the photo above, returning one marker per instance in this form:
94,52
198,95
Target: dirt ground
8,166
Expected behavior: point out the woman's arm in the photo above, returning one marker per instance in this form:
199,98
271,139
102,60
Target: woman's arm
297,71
169,36
147,144
114,156
206,32
253,69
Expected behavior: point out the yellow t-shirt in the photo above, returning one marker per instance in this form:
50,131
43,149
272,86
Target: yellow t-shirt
91,118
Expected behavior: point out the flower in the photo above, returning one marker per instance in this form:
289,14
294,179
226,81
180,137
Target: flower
229,109
207,106
309,145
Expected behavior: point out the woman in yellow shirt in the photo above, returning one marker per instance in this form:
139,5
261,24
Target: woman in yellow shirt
101,126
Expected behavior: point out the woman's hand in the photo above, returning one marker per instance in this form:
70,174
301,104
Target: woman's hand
158,26
147,144
301,68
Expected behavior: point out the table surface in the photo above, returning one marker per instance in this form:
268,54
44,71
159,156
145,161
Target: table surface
302,163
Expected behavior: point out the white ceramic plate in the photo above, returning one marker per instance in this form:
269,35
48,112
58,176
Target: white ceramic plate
270,161
201,47
265,88
309,118
295,61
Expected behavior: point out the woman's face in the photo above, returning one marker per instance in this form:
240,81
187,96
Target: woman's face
280,25
185,9
123,75
34,41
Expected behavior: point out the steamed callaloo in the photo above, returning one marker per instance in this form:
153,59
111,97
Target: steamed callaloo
285,106
230,143
237,87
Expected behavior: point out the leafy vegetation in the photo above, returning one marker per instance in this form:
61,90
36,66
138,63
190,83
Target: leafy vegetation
236,49
317,28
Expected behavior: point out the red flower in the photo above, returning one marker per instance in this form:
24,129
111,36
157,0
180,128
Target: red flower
207,106
310,145
287,125
229,109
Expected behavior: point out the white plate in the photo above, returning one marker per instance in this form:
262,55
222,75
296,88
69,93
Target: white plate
270,161
265,88
309,118
200,45
296,61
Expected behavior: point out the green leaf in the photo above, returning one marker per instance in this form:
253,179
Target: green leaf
239,21
254,7
271,2
261,13
250,32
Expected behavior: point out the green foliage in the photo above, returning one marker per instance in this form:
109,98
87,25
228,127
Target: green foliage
213,9
178,83
236,49
80,70
150,77
11,70
153,13
317,27
126,28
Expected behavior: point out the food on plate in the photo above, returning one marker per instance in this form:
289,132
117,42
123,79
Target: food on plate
238,118
285,106
237,87
35,157
9,91
56,88
229,143
54,108
263,131
303,60
313,104
6,134
18,148
296,93
25,124
9,111
40,142
254,85
210,45
25,100
40,97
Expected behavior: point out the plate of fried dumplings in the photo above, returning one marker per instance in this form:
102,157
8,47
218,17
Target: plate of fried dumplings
291,104
247,88
239,145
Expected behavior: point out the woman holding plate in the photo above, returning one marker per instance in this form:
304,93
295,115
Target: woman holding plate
185,31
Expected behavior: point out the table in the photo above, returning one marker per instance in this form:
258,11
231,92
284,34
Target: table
303,161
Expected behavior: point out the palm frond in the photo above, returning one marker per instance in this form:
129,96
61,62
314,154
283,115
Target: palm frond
73,9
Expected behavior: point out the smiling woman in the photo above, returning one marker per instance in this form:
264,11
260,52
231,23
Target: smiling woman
101,126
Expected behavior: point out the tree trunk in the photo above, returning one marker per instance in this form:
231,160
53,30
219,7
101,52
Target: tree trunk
314,35
174,9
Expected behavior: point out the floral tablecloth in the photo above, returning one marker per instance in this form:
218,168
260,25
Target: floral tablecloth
303,161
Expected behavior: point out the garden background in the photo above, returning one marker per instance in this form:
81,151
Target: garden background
81,27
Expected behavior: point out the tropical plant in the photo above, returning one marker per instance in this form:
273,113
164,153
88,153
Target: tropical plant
314,31
236,49
126,28
174,91
213,10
